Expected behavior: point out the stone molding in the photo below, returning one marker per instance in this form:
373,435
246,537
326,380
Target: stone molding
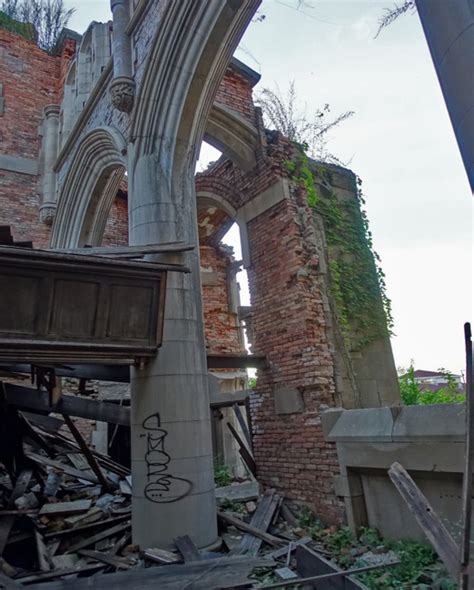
19,165
122,91
47,213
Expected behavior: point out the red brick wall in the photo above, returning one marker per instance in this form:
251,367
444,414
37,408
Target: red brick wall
235,92
289,328
116,228
29,77
221,331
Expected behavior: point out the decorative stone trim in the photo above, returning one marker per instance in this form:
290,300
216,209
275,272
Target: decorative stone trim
122,91
47,213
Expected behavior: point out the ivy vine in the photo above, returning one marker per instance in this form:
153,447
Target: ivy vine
357,281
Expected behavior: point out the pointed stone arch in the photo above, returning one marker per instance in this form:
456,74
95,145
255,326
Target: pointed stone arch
89,189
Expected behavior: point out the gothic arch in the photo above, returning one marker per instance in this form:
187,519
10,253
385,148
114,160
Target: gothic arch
89,189
235,137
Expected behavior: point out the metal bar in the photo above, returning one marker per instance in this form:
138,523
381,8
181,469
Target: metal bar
469,465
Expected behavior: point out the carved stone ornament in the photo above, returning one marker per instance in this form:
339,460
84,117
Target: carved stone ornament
47,213
122,91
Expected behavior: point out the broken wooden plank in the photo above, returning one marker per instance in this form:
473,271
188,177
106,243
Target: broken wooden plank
288,548
98,537
161,556
242,492
243,425
59,573
118,562
430,523
244,452
6,523
8,583
32,400
320,579
247,528
59,508
87,453
87,528
128,251
187,548
44,559
211,574
261,520
62,467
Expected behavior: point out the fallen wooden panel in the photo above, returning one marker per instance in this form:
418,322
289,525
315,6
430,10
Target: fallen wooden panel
62,307
241,492
260,521
62,467
32,400
247,528
59,508
210,574
309,563
430,523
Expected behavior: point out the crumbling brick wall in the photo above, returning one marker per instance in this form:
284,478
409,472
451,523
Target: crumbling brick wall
30,82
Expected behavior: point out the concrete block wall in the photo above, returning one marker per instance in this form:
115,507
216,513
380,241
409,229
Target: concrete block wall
427,440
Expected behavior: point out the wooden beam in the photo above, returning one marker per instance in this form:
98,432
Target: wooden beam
229,398
87,453
32,400
434,529
244,452
247,528
235,361
6,523
118,373
127,251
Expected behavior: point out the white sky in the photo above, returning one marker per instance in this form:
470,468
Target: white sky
400,143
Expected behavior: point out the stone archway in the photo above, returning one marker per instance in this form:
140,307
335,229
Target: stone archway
89,188
187,62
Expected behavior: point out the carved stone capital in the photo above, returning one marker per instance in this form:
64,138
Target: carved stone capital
47,213
51,110
122,91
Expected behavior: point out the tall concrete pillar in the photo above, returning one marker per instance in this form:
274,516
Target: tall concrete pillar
122,88
172,463
449,31
50,151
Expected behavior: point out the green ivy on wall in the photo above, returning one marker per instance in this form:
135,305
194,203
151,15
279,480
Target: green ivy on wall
357,281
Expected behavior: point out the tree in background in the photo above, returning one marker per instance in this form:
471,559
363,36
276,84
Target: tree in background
48,18
282,113
413,394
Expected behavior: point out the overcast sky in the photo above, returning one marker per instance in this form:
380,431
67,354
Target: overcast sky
399,141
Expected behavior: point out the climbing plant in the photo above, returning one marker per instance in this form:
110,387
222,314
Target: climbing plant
357,281
43,20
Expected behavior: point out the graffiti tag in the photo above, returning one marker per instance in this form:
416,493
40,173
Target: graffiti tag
162,487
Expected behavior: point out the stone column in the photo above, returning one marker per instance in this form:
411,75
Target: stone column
50,150
122,88
449,30
172,463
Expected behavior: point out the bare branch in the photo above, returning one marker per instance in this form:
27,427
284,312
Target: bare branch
391,14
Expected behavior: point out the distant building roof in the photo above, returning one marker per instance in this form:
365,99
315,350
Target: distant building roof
421,373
